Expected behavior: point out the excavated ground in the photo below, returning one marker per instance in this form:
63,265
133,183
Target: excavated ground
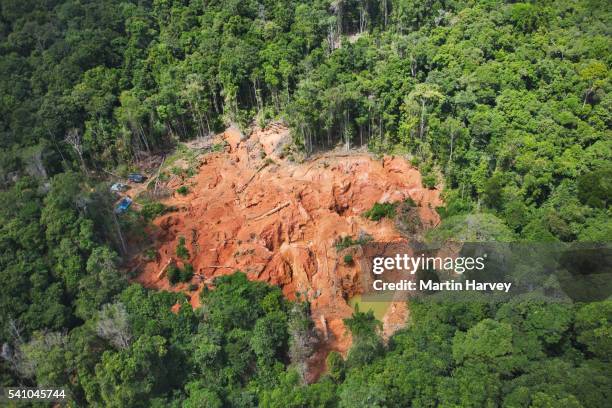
249,209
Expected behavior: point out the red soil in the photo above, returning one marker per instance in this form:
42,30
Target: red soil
279,224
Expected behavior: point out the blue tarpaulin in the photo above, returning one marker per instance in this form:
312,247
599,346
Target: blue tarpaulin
123,205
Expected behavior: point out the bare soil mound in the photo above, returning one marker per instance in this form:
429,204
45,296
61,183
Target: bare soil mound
250,209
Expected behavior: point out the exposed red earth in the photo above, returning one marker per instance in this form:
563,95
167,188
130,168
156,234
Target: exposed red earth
252,210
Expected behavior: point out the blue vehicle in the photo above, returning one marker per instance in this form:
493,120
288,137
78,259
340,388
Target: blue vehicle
136,177
123,205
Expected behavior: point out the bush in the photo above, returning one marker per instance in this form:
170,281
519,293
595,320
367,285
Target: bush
348,241
380,210
408,201
176,274
150,254
336,366
344,242
181,250
348,259
187,273
429,181
217,147
182,190
152,210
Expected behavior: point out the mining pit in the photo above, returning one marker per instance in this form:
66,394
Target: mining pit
250,208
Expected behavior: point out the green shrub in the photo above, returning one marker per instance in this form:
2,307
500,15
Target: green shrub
182,190
348,259
190,172
408,201
348,241
336,366
187,273
181,250
380,210
344,242
217,147
174,274
150,254
429,181
151,210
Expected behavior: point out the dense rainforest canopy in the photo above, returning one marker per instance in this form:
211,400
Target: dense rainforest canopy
504,104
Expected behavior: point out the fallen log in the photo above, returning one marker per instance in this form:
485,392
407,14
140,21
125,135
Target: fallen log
245,185
272,211
163,270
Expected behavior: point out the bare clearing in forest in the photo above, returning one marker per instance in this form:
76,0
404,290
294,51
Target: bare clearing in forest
248,208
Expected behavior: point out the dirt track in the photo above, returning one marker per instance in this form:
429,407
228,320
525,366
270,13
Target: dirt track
277,221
